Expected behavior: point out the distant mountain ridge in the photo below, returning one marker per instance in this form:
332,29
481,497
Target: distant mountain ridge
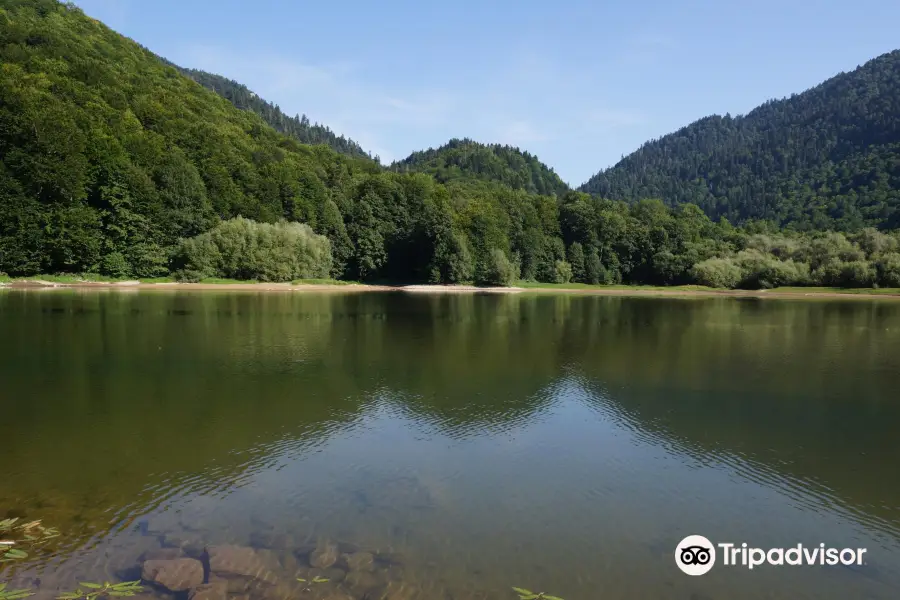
297,127
466,158
823,159
826,158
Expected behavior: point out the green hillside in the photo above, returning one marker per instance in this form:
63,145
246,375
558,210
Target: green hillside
297,127
467,159
110,158
826,158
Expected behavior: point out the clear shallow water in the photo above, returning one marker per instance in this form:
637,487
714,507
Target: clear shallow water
560,443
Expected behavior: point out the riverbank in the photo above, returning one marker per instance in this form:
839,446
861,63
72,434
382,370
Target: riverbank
321,285
701,291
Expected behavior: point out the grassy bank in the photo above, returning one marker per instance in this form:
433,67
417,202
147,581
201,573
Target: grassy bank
535,285
324,282
834,290
699,289
76,278
89,279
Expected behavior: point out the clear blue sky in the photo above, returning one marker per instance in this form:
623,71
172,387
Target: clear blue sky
578,83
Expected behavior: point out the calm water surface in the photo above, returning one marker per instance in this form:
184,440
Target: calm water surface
559,443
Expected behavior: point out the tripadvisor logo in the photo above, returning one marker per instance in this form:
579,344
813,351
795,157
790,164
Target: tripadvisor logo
696,555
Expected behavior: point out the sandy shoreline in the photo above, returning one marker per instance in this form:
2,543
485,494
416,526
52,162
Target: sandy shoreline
37,284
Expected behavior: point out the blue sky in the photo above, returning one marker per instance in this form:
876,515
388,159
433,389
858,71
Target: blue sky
578,83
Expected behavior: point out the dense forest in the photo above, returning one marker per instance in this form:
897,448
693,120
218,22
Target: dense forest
113,161
827,158
467,159
297,127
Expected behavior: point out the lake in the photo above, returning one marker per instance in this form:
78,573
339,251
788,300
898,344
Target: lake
461,444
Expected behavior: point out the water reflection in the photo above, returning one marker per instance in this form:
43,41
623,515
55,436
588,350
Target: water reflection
560,442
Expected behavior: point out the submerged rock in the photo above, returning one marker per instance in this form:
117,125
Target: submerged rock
325,554
398,590
283,591
363,584
390,557
359,561
191,545
271,539
175,575
162,554
348,547
237,586
242,561
209,591
289,562
334,574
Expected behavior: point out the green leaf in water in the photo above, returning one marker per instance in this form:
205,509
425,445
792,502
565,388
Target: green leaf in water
13,594
130,586
529,595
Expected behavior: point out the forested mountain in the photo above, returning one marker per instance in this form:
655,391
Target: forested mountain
826,158
297,127
114,162
467,159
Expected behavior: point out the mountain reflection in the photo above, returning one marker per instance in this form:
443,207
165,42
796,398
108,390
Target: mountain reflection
116,404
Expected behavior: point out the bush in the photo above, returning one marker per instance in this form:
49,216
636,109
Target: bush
498,270
243,249
888,269
873,242
858,273
827,247
761,271
562,272
115,265
837,273
717,273
452,262
780,246
669,268
190,275
147,260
